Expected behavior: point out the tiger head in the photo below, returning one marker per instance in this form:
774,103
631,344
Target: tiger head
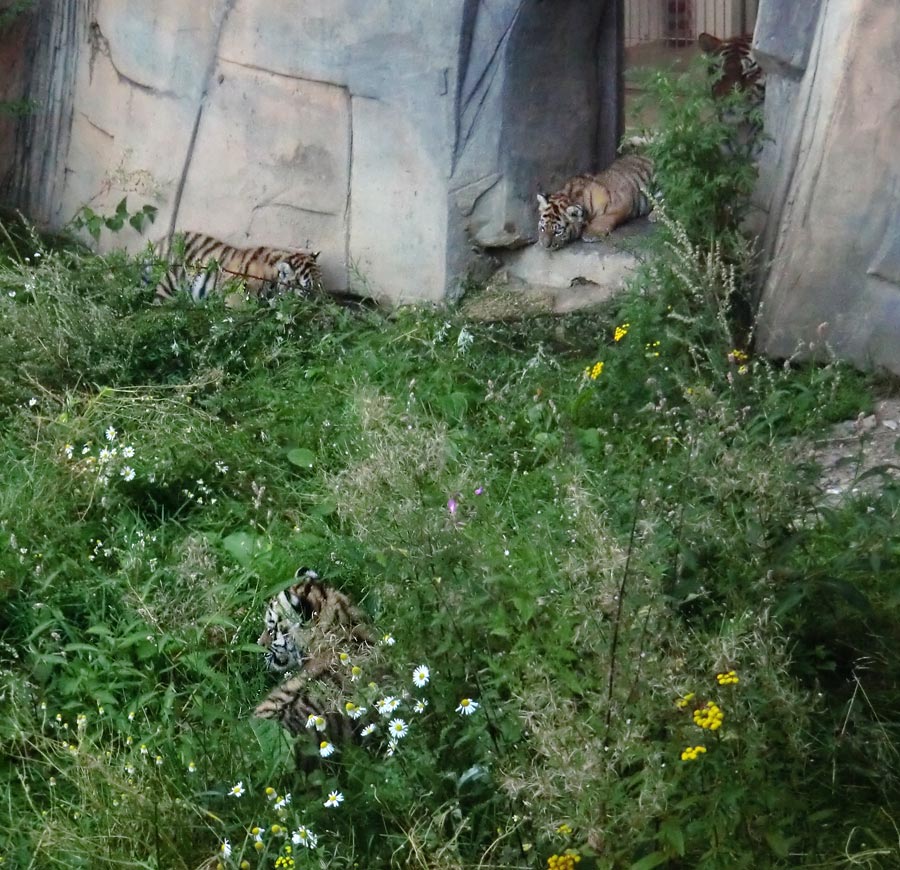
561,221
732,65
285,616
299,272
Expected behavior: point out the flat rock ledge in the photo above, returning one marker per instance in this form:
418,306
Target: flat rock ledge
533,280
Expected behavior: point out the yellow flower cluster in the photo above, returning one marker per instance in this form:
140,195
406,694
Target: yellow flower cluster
692,752
563,862
727,679
564,829
710,716
681,703
594,372
737,356
287,859
652,348
621,332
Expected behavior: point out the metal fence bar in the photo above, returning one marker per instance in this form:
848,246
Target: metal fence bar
680,21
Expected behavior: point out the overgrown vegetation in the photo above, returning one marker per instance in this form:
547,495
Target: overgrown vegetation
597,530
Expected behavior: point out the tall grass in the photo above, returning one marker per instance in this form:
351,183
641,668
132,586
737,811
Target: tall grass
583,553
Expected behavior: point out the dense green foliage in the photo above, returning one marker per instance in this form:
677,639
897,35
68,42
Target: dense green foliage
582,524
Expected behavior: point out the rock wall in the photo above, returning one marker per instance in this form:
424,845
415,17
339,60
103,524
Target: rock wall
399,137
830,180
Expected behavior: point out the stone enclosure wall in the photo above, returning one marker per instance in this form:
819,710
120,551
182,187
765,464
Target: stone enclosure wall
403,137
398,137
830,180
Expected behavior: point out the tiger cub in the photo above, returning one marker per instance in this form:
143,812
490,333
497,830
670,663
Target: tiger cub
738,68
592,206
307,627
205,265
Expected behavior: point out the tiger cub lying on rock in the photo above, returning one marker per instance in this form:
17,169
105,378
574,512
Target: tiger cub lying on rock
592,206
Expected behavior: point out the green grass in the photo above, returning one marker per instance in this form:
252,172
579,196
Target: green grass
574,554
581,556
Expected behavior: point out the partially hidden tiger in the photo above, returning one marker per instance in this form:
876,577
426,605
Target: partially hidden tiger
202,265
590,207
739,69
314,636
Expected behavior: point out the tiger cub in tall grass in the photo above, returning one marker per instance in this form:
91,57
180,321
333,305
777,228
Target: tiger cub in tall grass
308,627
592,206
202,265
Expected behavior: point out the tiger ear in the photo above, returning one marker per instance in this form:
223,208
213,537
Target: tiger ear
315,254
709,43
542,200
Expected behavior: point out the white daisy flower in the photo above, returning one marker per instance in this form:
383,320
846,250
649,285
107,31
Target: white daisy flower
237,790
387,640
225,849
127,472
355,673
315,721
421,675
467,707
420,706
282,801
326,749
192,768
391,748
354,711
398,729
386,706
335,799
110,433
369,729
128,452
303,836
68,450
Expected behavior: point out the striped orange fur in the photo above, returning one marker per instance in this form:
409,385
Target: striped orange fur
738,68
307,626
202,265
592,206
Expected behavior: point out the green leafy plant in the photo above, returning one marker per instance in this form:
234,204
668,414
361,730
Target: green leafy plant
703,151
86,218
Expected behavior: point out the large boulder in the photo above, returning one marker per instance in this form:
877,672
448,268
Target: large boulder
399,137
830,180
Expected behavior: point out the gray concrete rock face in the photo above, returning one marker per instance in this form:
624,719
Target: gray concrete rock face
830,181
395,136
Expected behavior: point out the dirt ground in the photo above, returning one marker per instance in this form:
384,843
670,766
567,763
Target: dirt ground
853,447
